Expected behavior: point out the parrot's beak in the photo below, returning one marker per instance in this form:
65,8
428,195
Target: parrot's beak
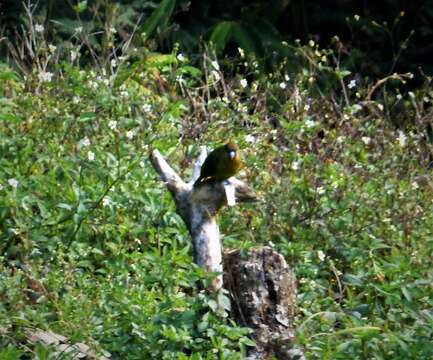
232,154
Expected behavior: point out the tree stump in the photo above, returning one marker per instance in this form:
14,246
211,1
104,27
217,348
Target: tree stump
263,295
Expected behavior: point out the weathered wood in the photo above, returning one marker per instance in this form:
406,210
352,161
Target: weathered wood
61,345
198,207
263,291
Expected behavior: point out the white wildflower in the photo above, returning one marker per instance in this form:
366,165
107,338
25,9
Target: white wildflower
112,125
106,201
13,182
321,190
250,138
39,28
414,185
112,30
113,63
142,164
296,165
147,108
402,138
83,143
283,85
45,76
306,107
321,255
399,96
244,83
76,100
78,29
366,140
242,108
310,123
124,94
287,77
356,17
341,139
311,43
74,55
351,84
52,48
93,84
181,57
90,155
380,107
130,134
225,99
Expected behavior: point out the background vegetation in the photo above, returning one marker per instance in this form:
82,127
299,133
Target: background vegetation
90,243
379,37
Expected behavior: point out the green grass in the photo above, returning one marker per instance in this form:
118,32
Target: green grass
91,246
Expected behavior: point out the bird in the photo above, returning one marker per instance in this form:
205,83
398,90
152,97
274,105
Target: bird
222,163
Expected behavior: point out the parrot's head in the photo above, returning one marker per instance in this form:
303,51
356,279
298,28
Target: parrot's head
232,150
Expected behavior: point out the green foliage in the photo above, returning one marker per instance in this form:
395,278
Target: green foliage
159,18
380,39
90,243
221,34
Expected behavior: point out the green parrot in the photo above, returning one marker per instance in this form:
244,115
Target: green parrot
222,163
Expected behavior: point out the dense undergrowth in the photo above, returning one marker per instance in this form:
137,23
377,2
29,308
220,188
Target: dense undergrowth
90,244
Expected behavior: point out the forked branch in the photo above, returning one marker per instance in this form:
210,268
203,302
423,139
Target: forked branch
198,207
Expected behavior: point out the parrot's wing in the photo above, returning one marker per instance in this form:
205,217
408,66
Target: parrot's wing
210,166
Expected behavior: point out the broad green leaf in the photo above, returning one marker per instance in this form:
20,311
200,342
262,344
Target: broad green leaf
159,17
87,116
221,34
341,74
6,73
158,61
247,342
247,39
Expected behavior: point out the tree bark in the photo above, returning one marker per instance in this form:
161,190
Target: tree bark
263,294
